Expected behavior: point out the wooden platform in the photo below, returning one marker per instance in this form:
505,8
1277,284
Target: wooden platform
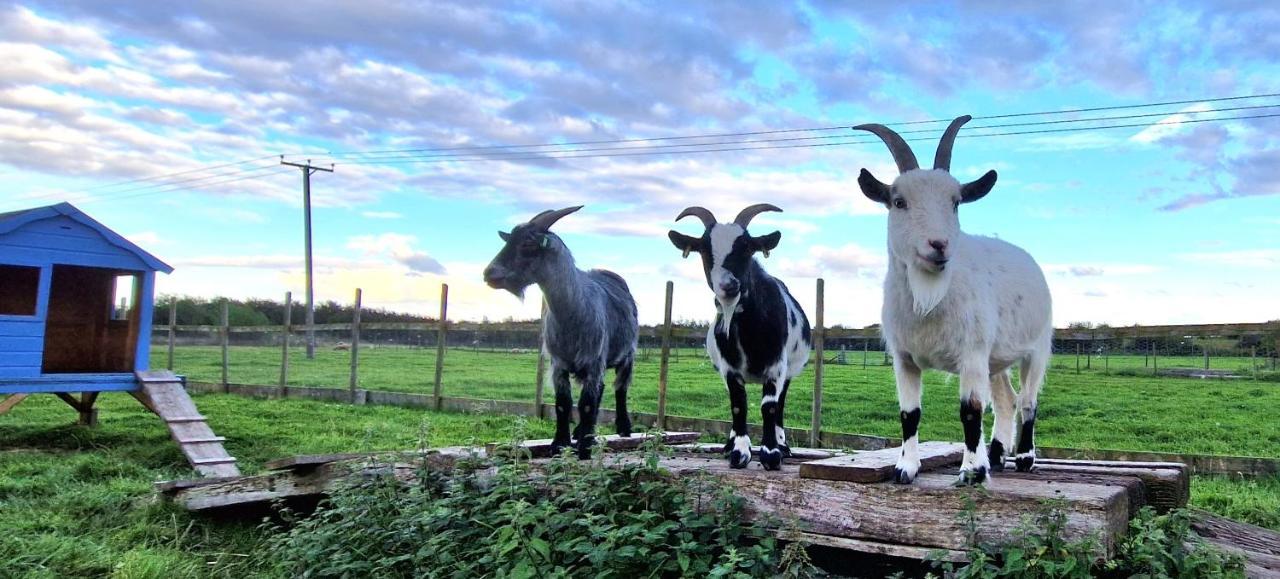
826,497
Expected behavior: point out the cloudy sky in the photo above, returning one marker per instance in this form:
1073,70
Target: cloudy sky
166,121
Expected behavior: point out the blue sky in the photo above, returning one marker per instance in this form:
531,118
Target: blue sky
102,102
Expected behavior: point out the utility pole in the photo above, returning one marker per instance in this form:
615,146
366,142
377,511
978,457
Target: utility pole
307,170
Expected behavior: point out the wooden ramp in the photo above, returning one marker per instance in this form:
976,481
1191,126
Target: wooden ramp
163,394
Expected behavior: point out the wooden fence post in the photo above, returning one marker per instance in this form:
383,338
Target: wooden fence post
173,329
284,347
226,339
440,338
355,347
1206,354
1077,357
663,365
539,389
1155,368
815,430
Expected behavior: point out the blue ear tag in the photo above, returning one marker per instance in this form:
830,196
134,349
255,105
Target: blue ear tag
545,241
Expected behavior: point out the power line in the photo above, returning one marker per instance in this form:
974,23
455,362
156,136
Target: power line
814,129
181,187
628,152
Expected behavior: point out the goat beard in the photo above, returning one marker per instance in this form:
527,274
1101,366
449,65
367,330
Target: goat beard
727,310
927,288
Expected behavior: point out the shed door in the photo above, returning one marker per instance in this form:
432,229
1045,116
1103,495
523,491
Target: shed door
92,325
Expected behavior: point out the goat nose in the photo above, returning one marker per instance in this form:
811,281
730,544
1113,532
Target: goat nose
938,244
729,286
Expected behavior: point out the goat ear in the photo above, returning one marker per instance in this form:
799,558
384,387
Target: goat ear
504,235
765,243
684,242
975,190
873,188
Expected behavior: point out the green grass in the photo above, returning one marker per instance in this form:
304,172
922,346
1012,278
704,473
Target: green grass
78,502
1091,409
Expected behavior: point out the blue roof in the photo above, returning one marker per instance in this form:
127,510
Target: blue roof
14,219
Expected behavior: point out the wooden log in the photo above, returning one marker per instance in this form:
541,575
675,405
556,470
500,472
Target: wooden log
874,547
877,465
542,448
1260,547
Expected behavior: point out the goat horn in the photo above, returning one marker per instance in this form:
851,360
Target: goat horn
548,218
942,159
749,213
902,154
708,220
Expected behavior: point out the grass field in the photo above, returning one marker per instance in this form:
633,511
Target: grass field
1122,409
78,502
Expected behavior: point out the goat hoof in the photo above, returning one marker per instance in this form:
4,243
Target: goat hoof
584,447
1025,462
739,459
786,450
771,458
558,447
902,477
995,456
973,477
624,428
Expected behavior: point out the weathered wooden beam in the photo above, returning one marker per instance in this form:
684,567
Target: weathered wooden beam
542,448
797,454
1165,485
11,401
877,465
1260,547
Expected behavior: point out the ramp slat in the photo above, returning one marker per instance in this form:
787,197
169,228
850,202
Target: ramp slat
163,393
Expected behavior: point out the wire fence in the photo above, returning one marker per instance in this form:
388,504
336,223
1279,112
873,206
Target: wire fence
501,366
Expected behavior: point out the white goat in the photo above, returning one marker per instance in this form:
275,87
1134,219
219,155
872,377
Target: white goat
966,304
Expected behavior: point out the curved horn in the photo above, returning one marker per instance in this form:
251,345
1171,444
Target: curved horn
746,215
902,154
548,218
942,159
708,220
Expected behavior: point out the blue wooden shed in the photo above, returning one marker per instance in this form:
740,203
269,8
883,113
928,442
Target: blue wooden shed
76,303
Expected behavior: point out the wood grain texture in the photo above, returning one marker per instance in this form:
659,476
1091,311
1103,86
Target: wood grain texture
541,448
1260,547
877,465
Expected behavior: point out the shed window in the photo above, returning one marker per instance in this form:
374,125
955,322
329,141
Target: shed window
19,288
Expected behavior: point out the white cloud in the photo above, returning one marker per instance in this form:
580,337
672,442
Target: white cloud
1170,125
399,248
1250,258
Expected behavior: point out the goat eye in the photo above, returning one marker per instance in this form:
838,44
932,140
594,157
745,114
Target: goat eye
900,203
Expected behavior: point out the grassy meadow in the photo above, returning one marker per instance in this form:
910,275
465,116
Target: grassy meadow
1112,403
78,502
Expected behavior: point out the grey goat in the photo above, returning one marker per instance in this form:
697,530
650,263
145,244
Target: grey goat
591,323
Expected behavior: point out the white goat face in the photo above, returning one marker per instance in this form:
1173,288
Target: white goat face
924,219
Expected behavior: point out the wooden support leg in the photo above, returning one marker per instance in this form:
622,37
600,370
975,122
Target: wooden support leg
13,400
142,397
88,414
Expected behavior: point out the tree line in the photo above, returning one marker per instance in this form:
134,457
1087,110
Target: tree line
198,311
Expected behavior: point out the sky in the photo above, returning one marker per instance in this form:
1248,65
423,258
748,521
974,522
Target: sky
167,122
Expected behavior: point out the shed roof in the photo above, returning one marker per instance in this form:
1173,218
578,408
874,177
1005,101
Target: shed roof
14,219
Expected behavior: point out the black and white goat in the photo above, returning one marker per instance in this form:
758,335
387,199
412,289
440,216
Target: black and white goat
760,333
966,304
591,323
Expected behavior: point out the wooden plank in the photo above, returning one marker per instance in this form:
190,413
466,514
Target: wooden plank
929,513
1167,485
13,400
875,547
798,454
877,465
1260,547
542,448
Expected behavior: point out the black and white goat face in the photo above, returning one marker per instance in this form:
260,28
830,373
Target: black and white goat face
726,250
924,206
526,249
